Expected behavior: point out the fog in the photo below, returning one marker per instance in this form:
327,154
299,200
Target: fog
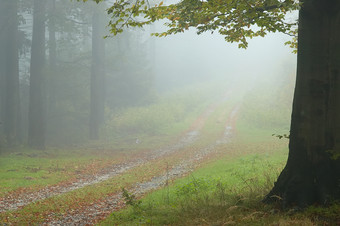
209,56
186,58
82,77
83,117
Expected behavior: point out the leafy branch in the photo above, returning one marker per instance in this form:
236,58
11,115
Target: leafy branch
236,20
281,136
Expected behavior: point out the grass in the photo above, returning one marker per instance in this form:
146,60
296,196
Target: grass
35,213
224,192
39,211
227,190
26,168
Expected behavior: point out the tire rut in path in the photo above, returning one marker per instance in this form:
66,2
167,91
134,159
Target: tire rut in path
13,202
94,213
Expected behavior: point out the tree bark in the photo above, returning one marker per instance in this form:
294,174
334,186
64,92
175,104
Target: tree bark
36,127
312,172
97,74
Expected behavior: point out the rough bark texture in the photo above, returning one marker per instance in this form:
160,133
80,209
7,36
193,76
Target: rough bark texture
312,174
36,127
97,75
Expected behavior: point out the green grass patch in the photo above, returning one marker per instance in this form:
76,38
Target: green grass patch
32,169
55,207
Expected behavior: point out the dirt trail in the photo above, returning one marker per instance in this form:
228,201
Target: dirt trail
97,211
12,202
101,209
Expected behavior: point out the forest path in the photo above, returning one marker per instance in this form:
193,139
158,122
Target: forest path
98,210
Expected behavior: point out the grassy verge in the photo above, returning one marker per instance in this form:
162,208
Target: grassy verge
225,191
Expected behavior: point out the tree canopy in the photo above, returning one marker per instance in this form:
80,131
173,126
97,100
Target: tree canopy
236,20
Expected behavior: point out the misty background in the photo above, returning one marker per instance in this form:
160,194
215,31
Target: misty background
140,73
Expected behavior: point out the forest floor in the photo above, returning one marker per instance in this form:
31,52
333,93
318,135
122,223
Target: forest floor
95,191
207,175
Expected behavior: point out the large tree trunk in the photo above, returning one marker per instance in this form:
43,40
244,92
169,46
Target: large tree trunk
36,127
312,173
97,74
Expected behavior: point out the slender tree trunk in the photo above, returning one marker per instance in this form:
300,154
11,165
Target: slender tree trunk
51,89
52,47
36,127
97,74
10,72
312,174
2,71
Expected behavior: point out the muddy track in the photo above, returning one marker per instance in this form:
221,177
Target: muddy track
96,212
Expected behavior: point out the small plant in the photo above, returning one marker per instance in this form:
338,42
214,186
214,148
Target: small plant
194,186
131,200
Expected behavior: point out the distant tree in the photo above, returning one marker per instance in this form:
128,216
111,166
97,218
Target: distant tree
67,72
9,72
130,73
2,70
52,54
36,128
97,72
312,173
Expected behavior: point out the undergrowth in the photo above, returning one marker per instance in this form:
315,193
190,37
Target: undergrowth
169,115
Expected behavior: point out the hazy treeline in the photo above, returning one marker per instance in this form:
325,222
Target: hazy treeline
62,83
58,75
